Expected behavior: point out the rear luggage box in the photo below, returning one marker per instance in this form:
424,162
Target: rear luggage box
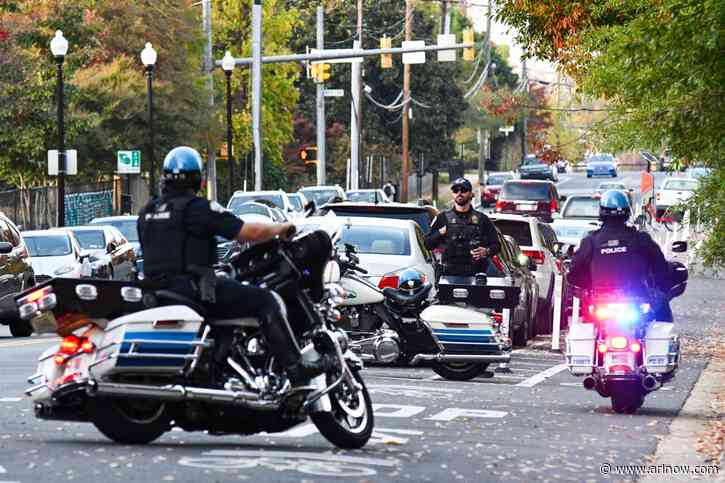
485,292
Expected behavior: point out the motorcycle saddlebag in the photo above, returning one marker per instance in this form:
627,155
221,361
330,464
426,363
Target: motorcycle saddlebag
662,348
155,341
485,292
580,348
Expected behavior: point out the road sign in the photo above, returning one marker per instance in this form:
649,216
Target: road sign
346,60
506,129
334,92
414,57
128,162
71,162
447,55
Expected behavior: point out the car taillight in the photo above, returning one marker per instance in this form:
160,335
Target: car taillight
558,265
70,345
504,205
554,205
497,318
536,255
389,281
499,205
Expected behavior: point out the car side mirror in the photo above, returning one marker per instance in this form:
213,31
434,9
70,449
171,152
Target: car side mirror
679,247
562,198
111,247
5,248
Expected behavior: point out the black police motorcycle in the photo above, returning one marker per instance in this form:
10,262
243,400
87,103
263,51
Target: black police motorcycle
136,361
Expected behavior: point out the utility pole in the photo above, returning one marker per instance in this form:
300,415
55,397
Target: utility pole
208,68
524,123
257,91
406,107
355,122
359,100
321,122
445,17
481,159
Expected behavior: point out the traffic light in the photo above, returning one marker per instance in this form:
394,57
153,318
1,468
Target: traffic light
468,38
308,154
386,60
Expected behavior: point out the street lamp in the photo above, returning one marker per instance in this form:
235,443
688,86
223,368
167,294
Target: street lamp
59,47
228,66
148,58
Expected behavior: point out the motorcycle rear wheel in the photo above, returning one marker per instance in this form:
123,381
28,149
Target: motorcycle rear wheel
459,371
626,399
351,422
129,421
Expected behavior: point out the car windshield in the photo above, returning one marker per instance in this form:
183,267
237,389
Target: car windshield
48,245
320,197
601,158
421,217
612,186
582,207
90,239
364,196
498,179
681,185
238,200
377,240
126,227
250,209
525,191
568,231
518,230
531,162
296,202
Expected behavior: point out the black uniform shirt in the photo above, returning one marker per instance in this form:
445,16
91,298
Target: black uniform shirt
488,235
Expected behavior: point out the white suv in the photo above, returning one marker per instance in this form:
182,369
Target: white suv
536,240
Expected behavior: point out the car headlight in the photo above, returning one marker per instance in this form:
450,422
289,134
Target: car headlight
63,270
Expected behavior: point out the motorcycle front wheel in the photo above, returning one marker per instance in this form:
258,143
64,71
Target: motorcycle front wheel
459,371
129,421
350,424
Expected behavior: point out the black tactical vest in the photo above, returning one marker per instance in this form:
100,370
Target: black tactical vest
462,236
617,262
169,249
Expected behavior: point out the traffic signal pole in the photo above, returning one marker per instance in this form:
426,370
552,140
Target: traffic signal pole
406,99
355,122
257,91
321,122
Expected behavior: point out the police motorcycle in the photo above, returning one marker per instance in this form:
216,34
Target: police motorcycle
402,325
620,348
138,361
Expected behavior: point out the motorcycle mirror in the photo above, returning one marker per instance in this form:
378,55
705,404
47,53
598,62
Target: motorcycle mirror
679,247
310,208
558,247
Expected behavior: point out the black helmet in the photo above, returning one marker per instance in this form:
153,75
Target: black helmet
462,183
614,204
183,169
410,280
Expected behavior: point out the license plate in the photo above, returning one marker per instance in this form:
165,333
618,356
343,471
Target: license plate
526,207
622,358
581,361
657,361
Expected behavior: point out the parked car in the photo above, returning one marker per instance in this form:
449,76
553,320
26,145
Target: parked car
601,165
492,187
697,172
562,165
534,168
533,198
260,211
579,216
322,195
613,185
512,263
128,226
536,240
54,253
367,196
111,255
278,198
422,215
384,246
674,191
298,202
17,275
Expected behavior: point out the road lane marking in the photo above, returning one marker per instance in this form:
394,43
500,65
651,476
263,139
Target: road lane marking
542,376
27,342
452,413
9,399
396,410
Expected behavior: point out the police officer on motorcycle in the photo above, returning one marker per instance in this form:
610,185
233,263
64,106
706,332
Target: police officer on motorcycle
468,235
620,258
177,233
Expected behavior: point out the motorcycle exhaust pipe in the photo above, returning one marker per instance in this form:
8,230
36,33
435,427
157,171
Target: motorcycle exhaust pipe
650,383
589,383
178,393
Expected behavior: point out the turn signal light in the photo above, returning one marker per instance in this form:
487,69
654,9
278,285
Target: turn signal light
389,281
70,345
635,347
602,348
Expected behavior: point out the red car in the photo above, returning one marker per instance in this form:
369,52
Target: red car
528,197
492,187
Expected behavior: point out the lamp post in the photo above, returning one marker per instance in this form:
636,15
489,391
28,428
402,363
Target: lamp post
59,47
228,66
148,58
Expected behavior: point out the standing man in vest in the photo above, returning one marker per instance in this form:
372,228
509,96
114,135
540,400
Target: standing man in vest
178,236
468,235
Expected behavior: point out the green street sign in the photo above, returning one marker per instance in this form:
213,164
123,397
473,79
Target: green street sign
128,162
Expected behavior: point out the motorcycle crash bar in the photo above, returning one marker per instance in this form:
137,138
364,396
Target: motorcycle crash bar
461,358
178,393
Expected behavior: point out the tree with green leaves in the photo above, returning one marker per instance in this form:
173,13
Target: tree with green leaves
660,67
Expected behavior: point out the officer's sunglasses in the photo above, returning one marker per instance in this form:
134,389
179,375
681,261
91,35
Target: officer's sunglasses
460,189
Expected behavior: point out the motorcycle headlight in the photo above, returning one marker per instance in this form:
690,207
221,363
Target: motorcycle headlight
63,270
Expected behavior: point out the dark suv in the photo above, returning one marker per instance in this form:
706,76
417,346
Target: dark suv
533,198
16,274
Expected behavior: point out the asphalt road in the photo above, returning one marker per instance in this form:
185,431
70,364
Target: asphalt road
534,424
